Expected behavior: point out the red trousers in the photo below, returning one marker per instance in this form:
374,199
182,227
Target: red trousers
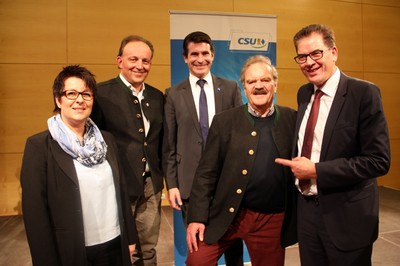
261,233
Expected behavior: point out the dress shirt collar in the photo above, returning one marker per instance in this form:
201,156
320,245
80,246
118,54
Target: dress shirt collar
140,94
193,80
331,84
257,114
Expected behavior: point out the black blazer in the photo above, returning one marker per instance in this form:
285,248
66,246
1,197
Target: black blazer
226,166
182,147
51,203
116,110
355,151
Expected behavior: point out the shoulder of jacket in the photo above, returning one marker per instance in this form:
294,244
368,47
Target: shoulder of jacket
180,84
41,138
232,112
152,89
107,82
285,109
221,79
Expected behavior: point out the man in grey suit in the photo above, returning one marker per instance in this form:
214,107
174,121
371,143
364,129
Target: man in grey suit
183,141
349,148
133,112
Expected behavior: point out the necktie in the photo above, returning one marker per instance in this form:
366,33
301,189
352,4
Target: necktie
309,135
203,111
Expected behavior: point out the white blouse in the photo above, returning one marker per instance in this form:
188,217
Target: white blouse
99,203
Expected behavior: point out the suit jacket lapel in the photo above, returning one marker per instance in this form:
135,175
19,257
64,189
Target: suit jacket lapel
303,102
277,133
64,161
190,104
112,160
218,94
336,107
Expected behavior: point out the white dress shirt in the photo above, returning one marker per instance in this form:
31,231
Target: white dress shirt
329,90
209,90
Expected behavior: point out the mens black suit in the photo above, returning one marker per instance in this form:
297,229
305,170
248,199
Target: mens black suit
52,206
118,111
355,151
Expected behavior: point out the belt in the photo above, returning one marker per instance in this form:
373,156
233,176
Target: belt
146,174
313,198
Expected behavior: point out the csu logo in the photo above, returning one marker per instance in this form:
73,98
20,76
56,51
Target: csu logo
250,41
253,42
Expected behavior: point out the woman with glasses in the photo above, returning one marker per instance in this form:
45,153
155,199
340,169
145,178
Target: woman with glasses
75,206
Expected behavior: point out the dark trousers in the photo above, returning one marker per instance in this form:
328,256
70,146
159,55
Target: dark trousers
261,233
234,253
315,245
105,254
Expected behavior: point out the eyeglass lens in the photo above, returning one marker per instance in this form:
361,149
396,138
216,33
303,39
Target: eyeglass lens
314,55
72,95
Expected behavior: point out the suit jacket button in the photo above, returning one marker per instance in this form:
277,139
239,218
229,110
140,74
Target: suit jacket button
231,210
244,172
253,133
141,130
239,191
138,116
251,152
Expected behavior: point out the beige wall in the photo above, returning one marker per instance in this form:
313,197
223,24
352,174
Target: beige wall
38,37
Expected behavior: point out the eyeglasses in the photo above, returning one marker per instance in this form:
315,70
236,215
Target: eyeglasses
314,55
73,95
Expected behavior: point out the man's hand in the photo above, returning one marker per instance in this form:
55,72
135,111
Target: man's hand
174,198
132,249
193,230
302,167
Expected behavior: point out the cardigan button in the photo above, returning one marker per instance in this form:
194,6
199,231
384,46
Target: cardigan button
244,172
231,210
253,133
251,152
239,191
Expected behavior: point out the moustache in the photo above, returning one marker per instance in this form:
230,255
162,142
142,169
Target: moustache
259,91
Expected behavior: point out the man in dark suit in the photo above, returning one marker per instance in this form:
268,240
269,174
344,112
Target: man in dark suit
183,140
338,206
239,192
133,112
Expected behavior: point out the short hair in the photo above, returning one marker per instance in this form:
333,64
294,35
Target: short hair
258,59
196,37
69,72
327,34
134,38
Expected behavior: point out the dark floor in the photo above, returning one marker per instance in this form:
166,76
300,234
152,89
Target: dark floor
14,249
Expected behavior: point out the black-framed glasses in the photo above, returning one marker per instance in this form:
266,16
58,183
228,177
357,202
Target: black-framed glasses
73,95
314,55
